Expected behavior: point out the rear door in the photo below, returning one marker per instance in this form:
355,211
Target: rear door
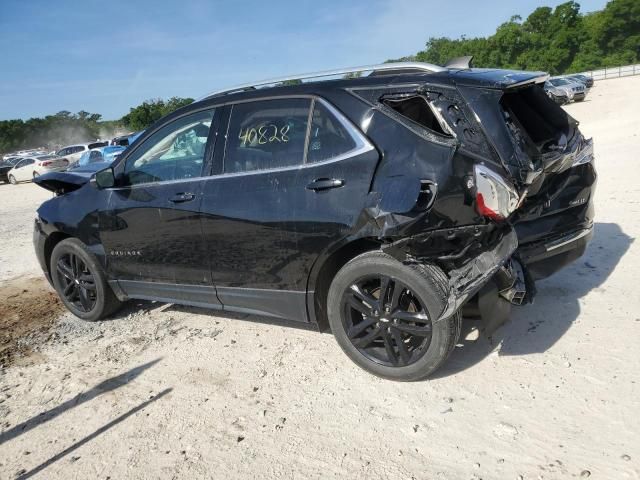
151,231
291,180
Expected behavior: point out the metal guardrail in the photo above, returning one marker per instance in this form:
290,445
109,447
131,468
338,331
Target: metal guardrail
614,72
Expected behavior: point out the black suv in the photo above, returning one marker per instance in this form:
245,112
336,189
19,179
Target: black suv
375,205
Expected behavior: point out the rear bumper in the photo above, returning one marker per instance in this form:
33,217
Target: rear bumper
545,257
467,280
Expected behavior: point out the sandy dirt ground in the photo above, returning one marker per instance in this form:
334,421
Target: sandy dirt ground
175,392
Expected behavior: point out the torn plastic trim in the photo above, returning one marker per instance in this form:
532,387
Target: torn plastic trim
420,247
511,280
466,281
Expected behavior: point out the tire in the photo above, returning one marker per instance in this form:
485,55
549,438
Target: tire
80,281
408,323
12,180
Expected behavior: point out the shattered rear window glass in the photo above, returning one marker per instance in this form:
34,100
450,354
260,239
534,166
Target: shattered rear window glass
417,109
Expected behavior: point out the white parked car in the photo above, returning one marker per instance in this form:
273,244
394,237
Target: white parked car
74,152
30,167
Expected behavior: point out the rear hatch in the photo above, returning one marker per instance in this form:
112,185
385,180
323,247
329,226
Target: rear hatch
541,147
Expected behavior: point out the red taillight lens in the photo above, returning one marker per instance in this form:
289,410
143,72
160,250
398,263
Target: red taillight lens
496,198
46,164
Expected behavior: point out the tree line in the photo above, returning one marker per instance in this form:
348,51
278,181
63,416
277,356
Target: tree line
555,40
65,128
560,40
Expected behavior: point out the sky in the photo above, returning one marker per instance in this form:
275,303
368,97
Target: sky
107,56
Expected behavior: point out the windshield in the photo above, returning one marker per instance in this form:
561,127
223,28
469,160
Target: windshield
558,81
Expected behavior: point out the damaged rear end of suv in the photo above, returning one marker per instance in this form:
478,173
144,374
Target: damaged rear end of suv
378,206
506,182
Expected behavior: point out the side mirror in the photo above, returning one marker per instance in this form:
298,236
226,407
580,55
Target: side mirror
104,178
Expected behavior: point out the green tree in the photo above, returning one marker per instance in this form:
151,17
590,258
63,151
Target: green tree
560,40
150,111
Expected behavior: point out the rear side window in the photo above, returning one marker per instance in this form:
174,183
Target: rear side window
417,109
328,137
266,134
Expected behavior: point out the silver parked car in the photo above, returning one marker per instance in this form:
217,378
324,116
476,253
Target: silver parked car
576,91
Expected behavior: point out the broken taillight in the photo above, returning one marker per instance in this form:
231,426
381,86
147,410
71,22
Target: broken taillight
496,198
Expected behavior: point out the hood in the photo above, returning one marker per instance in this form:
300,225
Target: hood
64,182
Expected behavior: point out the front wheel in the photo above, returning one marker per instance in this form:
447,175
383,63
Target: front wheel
12,180
383,314
80,281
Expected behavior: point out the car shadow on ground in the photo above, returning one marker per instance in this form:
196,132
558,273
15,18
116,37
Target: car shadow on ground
535,328
108,385
34,471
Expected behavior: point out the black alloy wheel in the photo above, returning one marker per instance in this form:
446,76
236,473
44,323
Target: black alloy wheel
77,281
386,316
386,321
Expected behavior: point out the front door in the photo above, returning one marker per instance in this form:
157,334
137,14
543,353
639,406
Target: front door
151,230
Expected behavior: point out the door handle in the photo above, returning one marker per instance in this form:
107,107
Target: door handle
320,184
182,197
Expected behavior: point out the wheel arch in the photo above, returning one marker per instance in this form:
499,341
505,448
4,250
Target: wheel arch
50,243
325,269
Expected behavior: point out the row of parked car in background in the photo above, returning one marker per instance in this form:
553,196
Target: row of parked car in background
569,88
25,165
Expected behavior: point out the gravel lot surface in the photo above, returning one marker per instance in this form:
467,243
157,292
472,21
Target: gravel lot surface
174,392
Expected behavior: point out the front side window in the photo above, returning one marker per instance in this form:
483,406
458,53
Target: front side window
266,134
174,152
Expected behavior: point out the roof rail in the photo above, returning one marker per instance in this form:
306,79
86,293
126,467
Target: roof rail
401,67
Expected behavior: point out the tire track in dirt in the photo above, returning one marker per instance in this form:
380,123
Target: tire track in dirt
28,309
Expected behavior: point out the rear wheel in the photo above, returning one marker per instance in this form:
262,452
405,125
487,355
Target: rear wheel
383,314
80,281
12,180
